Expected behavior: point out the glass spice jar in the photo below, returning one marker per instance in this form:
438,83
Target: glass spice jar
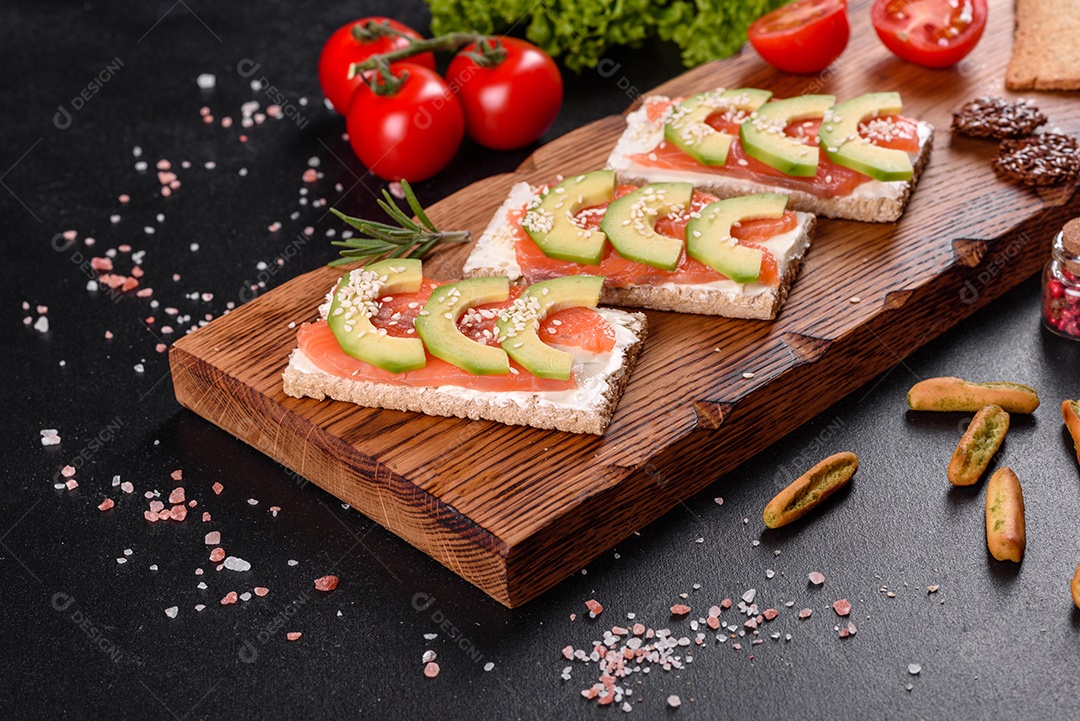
1061,283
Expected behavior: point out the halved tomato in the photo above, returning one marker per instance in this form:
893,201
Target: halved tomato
931,33
802,37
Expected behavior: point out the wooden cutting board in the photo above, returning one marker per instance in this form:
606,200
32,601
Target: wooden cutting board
514,510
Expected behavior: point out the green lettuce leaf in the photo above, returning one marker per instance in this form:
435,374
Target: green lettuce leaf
580,32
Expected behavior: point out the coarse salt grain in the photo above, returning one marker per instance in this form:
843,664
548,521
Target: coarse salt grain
816,578
171,611
293,636
235,563
326,583
261,591
213,538
206,81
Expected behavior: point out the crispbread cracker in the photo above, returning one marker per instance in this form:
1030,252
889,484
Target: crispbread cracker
1045,55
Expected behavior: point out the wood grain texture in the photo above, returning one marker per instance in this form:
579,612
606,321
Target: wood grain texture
514,510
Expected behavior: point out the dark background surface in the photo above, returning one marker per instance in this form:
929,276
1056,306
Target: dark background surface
995,641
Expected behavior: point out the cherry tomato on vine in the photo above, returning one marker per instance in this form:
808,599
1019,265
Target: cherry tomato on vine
412,132
511,103
931,33
805,36
344,48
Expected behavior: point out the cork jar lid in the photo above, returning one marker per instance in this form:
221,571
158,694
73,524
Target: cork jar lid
1070,243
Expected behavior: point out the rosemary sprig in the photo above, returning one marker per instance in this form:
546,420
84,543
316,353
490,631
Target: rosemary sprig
408,239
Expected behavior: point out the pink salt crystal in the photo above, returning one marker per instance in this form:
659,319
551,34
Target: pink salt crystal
293,635
770,613
124,197
431,670
178,513
726,603
101,263
310,176
816,578
568,653
205,517
72,484
842,607
156,506
230,598
594,607
161,348
67,471
163,164
70,234
261,591
108,335
218,488
680,610
150,516
213,538
177,475
805,613
106,504
177,495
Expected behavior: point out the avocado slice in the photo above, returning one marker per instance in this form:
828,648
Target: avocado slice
354,302
687,130
709,240
840,139
630,223
550,226
518,324
437,325
763,136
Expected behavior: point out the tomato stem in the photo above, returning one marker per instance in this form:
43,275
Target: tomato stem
371,30
450,41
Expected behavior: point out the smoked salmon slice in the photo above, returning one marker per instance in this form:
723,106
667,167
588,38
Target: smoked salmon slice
831,180
573,327
620,272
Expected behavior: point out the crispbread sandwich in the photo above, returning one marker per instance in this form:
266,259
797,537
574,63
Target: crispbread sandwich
664,246
541,356
856,160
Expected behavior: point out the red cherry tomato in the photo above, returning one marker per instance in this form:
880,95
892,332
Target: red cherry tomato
344,48
931,33
511,104
411,134
803,37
